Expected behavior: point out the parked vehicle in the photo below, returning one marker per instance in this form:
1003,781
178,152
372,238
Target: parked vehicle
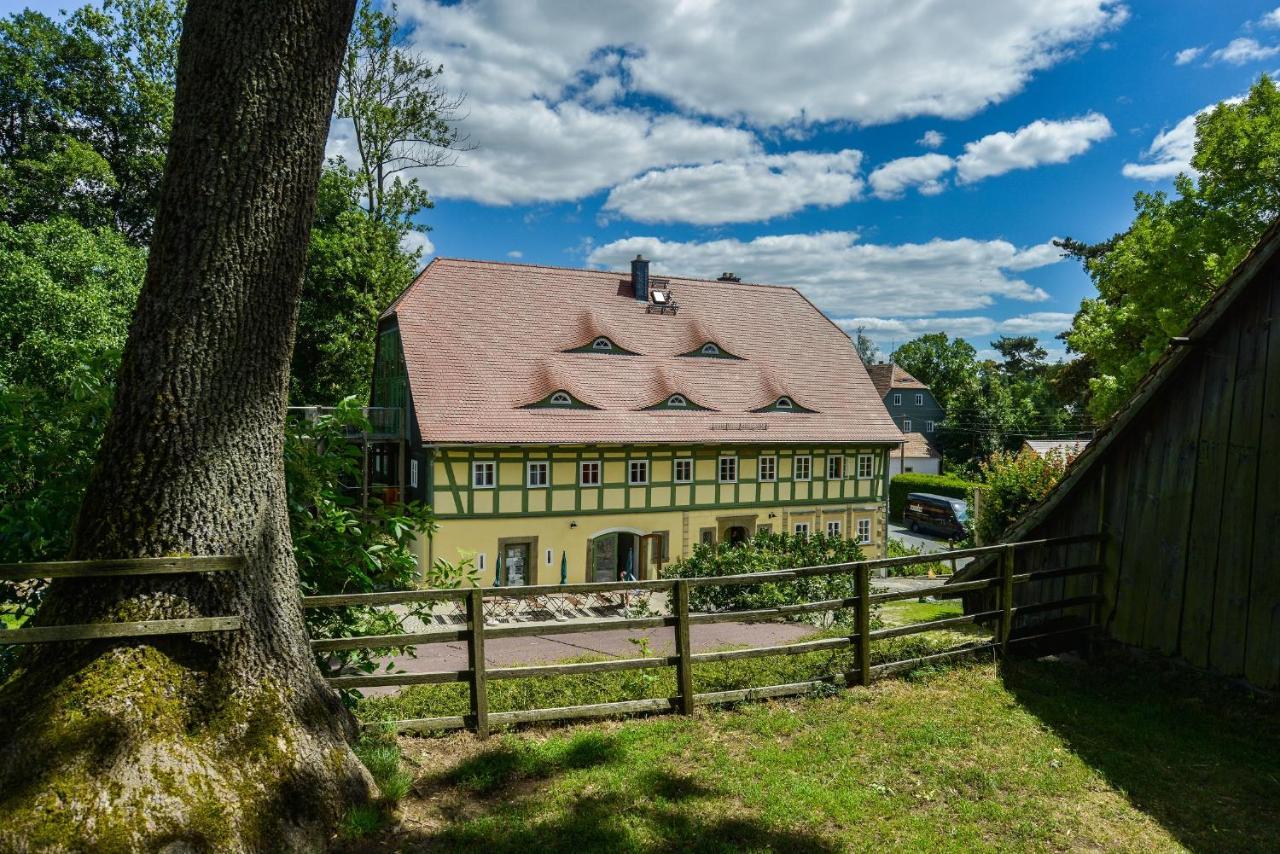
938,514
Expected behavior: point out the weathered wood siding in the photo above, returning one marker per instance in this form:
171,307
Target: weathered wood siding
1189,493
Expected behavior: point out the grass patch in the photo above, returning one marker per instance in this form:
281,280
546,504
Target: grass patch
1029,756
426,701
379,751
906,612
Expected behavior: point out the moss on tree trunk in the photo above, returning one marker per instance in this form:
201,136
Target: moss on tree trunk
223,741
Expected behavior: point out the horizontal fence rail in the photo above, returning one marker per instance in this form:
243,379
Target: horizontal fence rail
118,568
477,674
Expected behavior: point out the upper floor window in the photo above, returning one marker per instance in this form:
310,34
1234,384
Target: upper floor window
560,398
589,473
483,474
638,472
897,399
710,349
537,474
784,403
728,469
602,343
919,399
677,400
768,468
928,426
835,467
906,425
684,470
413,473
801,467
866,466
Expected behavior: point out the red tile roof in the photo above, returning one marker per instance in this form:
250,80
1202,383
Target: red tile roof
888,375
484,339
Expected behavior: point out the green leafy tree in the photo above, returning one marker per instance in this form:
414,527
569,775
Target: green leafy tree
1012,484
355,268
941,363
867,349
1154,277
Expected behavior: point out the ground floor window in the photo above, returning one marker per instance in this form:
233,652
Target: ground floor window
864,530
802,529
413,473
833,529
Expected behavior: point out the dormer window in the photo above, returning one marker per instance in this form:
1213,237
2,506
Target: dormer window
602,343
784,403
710,350
559,399
676,401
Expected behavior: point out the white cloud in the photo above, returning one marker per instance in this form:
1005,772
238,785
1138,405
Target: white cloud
931,139
1037,322
516,254
1040,142
848,278
743,190
552,87
1188,55
924,173
417,243
1271,20
1243,50
888,331
1170,152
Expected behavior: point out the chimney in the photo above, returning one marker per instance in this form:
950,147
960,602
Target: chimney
640,278
729,277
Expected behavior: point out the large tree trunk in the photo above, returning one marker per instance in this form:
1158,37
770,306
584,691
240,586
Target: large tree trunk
227,741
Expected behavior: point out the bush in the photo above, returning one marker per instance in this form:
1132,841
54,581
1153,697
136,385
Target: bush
897,548
768,552
1013,484
936,484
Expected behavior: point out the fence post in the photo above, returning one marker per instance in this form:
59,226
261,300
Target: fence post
684,668
475,659
863,624
1006,598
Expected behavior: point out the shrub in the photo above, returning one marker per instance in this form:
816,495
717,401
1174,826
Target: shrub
1013,484
897,548
768,552
936,484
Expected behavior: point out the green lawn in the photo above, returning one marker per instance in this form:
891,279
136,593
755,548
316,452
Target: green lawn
1044,756
908,611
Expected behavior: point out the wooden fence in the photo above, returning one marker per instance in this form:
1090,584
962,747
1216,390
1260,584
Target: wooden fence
103,569
476,632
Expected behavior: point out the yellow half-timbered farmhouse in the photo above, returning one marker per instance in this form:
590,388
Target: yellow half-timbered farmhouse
600,425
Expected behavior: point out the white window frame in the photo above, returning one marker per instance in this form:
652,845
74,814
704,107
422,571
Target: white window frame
413,473
582,468
906,425
808,467
675,470
773,468
608,345
709,349
631,472
837,459
801,529
867,463
545,466
560,398
897,398
720,464
478,466
864,531
784,402
833,528
919,398
928,426
678,400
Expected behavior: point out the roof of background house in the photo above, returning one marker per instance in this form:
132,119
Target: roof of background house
483,340
918,446
1069,448
887,376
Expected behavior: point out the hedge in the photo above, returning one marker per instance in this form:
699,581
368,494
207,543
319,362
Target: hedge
937,484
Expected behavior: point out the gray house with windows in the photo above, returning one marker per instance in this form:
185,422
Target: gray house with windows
909,401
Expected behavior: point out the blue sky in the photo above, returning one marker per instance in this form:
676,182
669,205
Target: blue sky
904,162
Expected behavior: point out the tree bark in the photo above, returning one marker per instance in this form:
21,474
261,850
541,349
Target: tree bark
223,741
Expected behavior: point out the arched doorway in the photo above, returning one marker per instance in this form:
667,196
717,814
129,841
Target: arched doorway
613,554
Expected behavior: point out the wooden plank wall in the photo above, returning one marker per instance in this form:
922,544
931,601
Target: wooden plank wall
1189,493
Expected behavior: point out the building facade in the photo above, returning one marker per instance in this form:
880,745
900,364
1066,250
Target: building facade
911,404
569,425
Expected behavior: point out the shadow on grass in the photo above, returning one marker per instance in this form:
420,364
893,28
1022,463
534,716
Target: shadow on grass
502,799
1201,759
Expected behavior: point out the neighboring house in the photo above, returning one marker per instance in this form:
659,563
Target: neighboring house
910,402
1068,448
613,422
917,454
1184,481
